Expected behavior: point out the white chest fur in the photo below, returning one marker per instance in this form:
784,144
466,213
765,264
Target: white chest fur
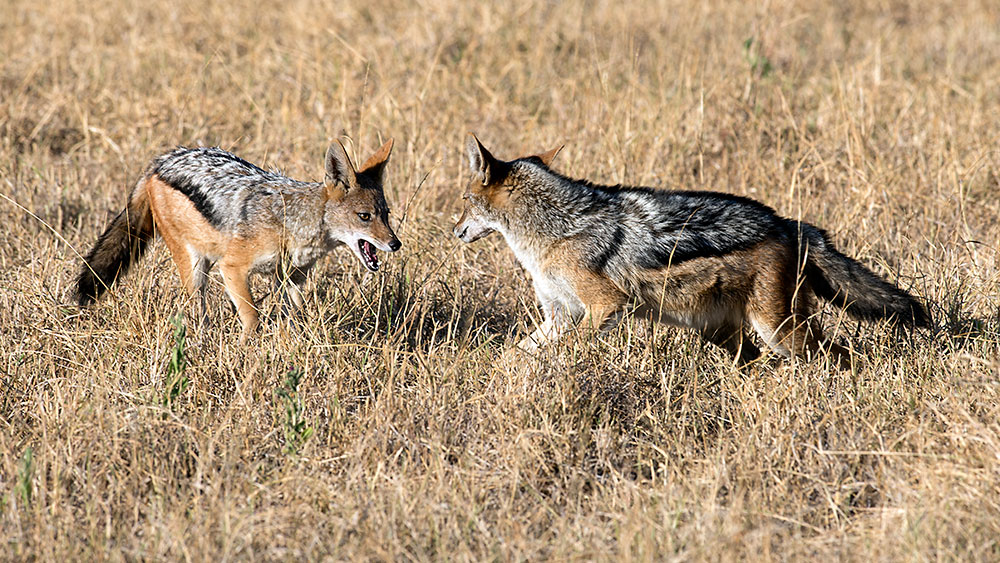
550,287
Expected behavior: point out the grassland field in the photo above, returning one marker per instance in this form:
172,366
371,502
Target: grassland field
382,427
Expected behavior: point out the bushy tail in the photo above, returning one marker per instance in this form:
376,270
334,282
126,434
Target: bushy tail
124,242
847,283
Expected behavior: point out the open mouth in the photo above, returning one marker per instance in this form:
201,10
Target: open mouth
368,255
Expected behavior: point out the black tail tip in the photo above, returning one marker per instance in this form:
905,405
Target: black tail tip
86,293
920,318
910,313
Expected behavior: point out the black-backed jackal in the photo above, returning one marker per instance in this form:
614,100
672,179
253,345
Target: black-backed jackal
211,207
703,260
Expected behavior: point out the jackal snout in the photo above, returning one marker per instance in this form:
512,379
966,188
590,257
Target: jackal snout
470,227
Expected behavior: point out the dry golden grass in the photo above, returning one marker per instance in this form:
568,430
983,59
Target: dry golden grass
878,121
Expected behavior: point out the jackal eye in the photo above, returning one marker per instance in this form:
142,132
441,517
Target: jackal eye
365,217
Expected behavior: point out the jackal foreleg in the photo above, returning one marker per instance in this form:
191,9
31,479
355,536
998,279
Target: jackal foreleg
558,320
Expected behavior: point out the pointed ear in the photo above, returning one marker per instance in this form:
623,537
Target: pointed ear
374,167
339,170
481,161
546,157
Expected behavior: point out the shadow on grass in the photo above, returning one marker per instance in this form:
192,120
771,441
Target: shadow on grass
420,315
956,328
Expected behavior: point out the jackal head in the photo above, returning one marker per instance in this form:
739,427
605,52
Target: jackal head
488,192
356,212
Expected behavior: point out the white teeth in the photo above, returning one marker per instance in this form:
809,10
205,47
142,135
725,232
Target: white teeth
368,254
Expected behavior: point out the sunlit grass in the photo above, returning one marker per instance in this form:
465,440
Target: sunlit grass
404,436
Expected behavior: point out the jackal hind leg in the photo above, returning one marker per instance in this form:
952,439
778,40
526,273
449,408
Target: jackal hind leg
199,282
783,319
192,269
234,276
839,355
731,338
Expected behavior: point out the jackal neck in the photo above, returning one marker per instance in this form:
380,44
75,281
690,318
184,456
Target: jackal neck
547,206
301,212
